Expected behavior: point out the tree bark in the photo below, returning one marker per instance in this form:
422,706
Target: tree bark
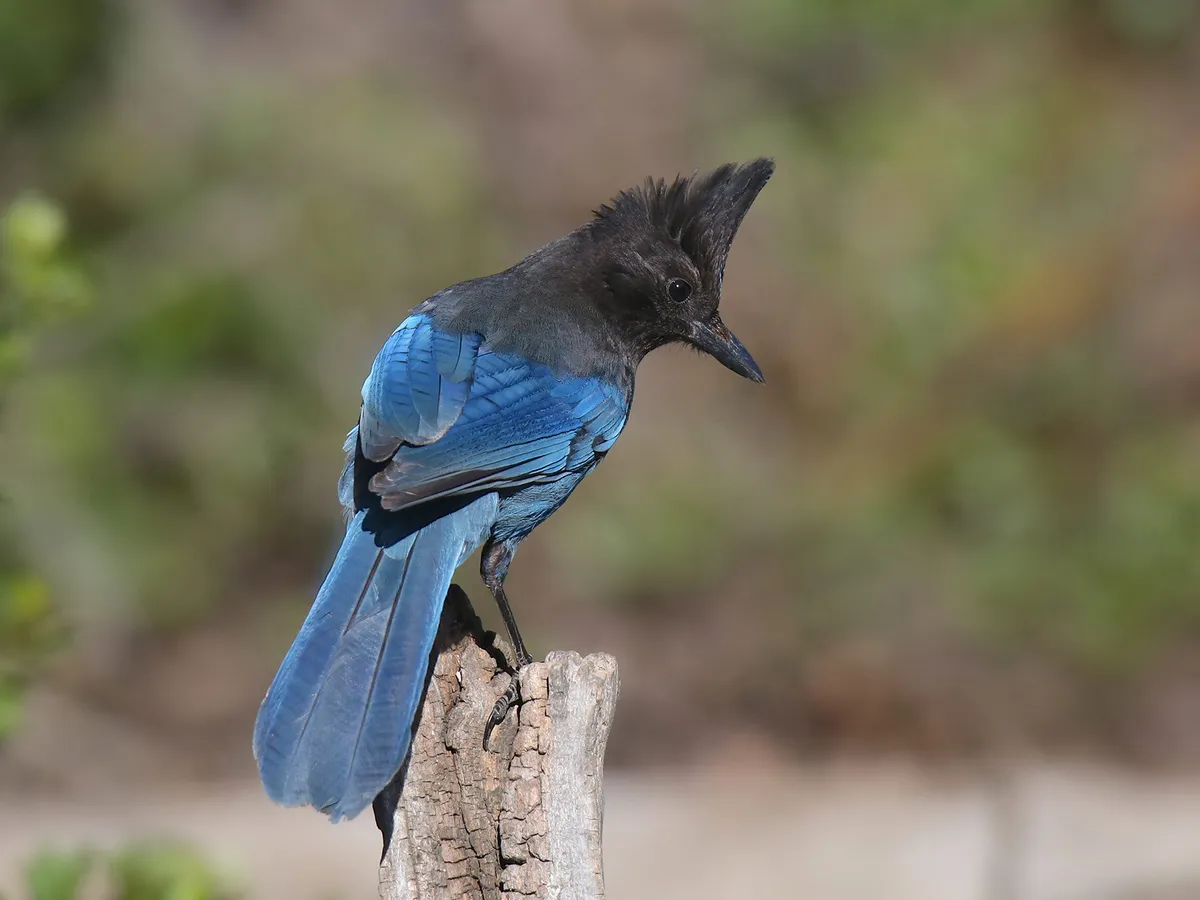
521,818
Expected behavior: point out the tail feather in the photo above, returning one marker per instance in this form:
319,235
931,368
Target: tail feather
336,722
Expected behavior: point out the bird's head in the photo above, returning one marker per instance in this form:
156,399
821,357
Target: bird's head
664,248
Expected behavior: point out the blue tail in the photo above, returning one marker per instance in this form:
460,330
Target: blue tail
336,722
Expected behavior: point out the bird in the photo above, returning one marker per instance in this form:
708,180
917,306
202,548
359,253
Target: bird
482,412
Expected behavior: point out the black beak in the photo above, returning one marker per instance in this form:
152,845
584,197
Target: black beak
719,342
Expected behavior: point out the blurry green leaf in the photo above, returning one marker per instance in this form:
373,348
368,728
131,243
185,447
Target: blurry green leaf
28,602
48,49
14,351
208,324
151,871
166,871
33,228
29,634
36,282
10,706
25,610
1151,21
57,875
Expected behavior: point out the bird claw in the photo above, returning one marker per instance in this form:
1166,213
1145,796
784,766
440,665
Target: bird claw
511,697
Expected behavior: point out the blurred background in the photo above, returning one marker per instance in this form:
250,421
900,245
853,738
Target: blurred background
920,618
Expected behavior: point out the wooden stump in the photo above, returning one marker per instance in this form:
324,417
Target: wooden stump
521,819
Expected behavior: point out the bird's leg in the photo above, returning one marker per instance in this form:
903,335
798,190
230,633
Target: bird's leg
497,555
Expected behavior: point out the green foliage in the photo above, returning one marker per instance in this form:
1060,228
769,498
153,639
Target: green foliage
803,24
30,631
48,50
1149,23
58,875
993,457
150,871
37,285
166,872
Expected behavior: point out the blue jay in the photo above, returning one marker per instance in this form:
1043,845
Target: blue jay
481,414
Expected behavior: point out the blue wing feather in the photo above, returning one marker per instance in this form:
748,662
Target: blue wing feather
521,424
425,383
417,388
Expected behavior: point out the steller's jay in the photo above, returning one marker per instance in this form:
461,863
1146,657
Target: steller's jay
482,412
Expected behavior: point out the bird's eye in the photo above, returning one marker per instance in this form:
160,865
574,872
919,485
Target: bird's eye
678,290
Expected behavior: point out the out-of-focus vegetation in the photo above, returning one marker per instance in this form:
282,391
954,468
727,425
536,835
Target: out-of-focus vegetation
37,285
972,285
153,871
1013,427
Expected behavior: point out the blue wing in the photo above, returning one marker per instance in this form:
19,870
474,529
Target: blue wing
417,388
460,420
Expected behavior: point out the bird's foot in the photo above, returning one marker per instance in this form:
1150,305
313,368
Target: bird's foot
511,697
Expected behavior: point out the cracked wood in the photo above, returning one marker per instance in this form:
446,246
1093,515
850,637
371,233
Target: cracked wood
522,819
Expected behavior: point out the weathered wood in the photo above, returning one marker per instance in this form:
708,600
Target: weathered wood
523,818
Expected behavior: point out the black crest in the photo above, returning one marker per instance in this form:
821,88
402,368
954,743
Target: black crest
702,212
